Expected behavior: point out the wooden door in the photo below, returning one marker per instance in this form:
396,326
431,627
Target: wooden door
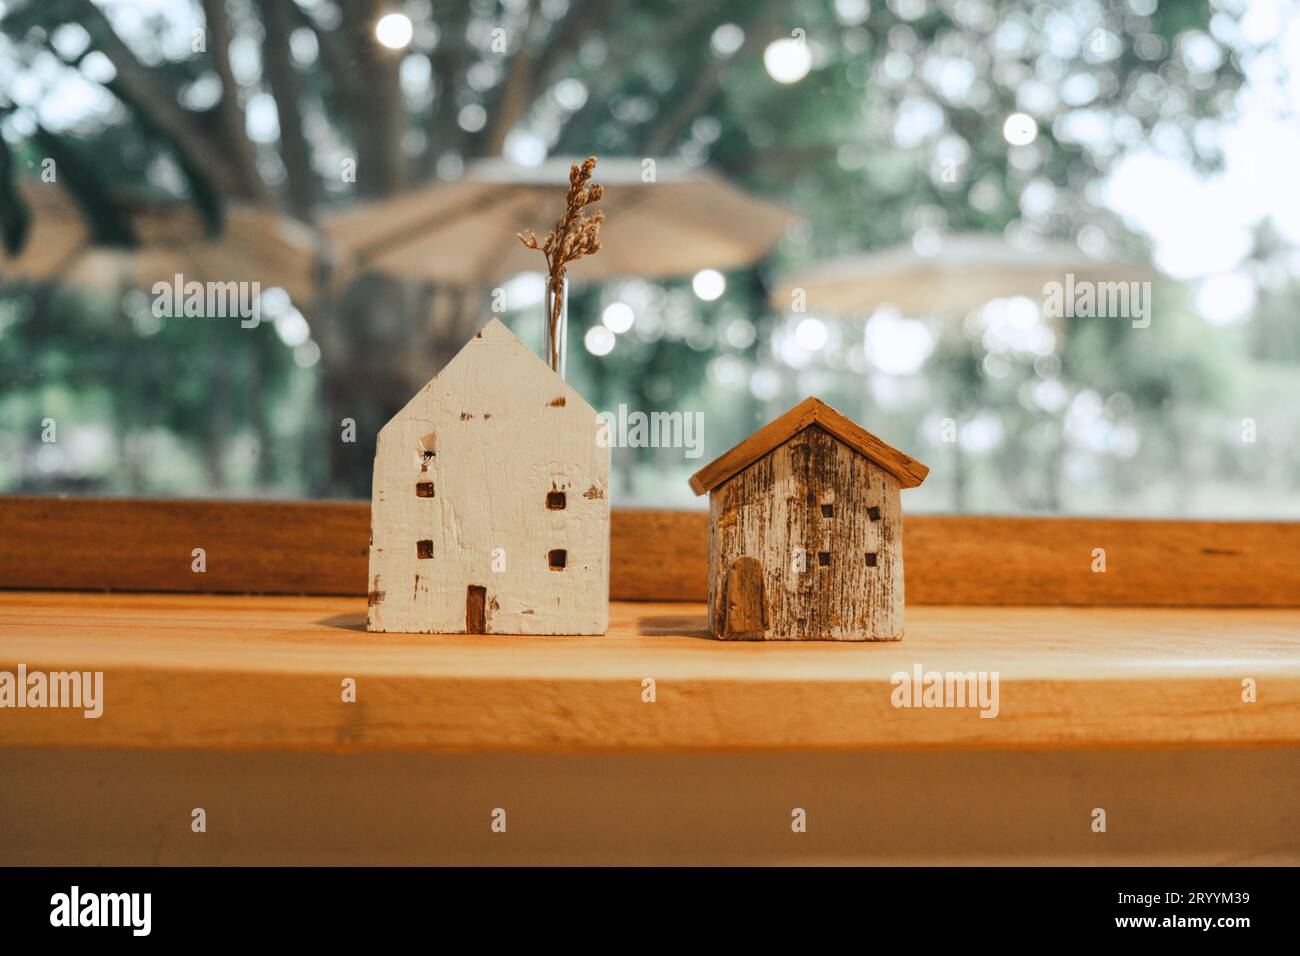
744,606
475,609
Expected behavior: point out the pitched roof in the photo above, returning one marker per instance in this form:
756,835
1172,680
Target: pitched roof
494,358
811,411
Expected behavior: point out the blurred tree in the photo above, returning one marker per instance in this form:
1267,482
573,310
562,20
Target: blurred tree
897,129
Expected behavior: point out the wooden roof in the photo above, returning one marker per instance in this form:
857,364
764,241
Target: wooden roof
811,411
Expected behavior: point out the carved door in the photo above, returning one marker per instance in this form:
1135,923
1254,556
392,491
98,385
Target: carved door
744,606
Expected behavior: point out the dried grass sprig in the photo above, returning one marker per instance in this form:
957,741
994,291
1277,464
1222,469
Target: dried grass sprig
574,235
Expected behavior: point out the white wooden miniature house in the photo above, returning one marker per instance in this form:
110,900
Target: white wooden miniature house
489,510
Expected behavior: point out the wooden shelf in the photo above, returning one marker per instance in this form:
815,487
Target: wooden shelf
238,673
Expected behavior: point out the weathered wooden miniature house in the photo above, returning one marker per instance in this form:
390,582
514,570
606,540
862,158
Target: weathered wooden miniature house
805,531
489,511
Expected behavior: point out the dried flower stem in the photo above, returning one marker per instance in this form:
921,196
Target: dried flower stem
574,235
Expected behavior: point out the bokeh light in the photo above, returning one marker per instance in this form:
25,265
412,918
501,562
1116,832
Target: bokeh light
394,30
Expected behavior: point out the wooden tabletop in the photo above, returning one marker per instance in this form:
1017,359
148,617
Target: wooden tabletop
233,672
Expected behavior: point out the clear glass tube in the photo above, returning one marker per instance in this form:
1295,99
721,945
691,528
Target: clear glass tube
556,349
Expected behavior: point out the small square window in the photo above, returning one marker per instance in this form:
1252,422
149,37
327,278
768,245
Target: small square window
824,559
557,559
424,489
424,549
871,559
828,511
873,513
556,500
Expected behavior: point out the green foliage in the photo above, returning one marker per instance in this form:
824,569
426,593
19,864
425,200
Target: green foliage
15,218
828,146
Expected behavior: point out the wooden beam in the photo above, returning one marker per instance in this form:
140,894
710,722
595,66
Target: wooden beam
319,547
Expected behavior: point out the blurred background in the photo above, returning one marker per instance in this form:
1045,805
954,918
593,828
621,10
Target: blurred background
858,199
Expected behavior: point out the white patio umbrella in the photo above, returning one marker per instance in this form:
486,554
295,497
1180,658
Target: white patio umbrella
256,245
463,232
964,272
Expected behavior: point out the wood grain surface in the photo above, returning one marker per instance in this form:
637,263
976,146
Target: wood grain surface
236,673
825,525
315,547
1194,807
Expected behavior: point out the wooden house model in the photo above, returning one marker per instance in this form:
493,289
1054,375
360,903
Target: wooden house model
490,512
805,531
